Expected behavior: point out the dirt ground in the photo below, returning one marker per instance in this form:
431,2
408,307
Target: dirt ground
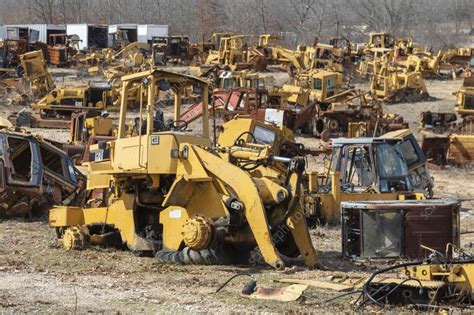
37,275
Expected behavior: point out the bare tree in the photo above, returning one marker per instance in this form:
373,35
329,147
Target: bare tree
441,23
45,9
303,10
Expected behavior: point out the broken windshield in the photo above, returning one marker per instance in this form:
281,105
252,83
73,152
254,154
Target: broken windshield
358,174
25,167
392,168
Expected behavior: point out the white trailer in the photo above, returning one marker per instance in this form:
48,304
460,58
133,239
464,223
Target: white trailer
34,32
146,32
130,28
90,35
3,32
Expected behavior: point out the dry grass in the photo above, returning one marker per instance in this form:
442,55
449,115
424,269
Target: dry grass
38,275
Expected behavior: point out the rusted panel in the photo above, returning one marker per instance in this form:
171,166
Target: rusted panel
436,149
432,225
468,81
390,229
219,98
57,55
461,149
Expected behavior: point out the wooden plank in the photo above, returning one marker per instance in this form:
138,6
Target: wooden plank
319,284
286,294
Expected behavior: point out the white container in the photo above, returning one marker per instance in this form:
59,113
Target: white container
3,32
89,34
147,31
36,32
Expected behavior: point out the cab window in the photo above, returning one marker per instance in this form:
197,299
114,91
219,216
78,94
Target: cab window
317,84
52,161
21,159
409,152
264,136
469,101
358,171
228,84
331,83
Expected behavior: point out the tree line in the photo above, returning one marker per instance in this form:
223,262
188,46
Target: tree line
440,23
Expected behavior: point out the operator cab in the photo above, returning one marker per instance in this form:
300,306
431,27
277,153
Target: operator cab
390,163
370,164
142,141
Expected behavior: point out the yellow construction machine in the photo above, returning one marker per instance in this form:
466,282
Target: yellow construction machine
447,139
236,53
396,78
135,52
465,98
370,64
233,79
268,40
86,132
443,280
353,113
35,71
457,59
324,56
294,60
389,167
322,84
168,192
418,60
82,127
55,109
393,84
70,99
119,39
378,40
212,45
404,52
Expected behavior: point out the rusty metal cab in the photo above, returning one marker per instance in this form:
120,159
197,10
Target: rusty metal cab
394,229
34,174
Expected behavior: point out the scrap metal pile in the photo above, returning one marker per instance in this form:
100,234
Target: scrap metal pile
184,192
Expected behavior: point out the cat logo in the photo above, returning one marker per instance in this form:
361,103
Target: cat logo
155,140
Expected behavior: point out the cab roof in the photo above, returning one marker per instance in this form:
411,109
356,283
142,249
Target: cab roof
173,77
396,135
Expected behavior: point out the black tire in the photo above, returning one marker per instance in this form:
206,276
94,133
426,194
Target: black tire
221,255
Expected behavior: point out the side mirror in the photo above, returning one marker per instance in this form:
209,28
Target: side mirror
164,85
197,89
